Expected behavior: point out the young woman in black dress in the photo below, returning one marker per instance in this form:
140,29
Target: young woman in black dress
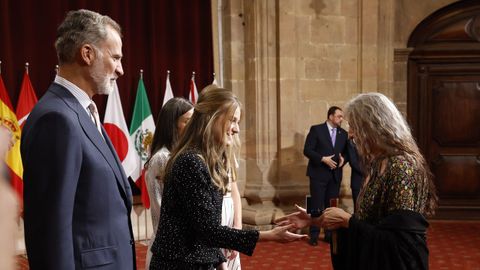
189,235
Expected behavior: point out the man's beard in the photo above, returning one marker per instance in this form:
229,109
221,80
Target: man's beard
103,83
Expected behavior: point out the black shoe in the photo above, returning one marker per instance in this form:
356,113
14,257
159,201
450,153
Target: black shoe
313,242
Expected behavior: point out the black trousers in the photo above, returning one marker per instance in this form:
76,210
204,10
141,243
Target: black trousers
321,191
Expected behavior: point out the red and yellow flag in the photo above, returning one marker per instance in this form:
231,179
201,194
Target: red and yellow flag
26,100
13,159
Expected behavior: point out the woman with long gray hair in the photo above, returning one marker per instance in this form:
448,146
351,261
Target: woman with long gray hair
389,229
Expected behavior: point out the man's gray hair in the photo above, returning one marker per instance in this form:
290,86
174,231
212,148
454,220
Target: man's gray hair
79,28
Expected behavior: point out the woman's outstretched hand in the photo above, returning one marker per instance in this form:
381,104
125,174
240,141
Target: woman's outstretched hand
281,234
300,219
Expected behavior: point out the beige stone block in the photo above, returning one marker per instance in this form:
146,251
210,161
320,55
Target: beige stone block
400,72
307,50
352,88
306,88
322,69
250,70
349,8
234,7
369,62
317,113
348,69
319,7
328,29
351,30
288,48
369,85
238,88
400,92
336,51
287,23
236,67
300,72
302,32
343,52
237,29
287,6
370,8
311,90
288,68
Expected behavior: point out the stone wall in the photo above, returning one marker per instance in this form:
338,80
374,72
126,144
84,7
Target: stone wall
288,61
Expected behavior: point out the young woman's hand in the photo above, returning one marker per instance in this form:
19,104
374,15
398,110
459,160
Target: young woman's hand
281,234
300,219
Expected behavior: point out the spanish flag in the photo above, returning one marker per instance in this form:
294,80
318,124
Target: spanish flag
13,159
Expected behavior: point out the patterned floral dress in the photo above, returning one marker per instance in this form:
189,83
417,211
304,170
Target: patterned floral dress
398,188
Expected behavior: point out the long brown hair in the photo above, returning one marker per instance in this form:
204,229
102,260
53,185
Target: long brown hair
166,133
381,131
213,104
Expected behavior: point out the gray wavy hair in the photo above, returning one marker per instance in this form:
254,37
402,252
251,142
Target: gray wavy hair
81,27
380,131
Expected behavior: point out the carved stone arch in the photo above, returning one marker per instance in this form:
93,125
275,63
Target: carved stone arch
443,104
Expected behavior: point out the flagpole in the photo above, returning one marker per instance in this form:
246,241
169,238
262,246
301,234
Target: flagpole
56,69
26,67
168,74
141,74
0,67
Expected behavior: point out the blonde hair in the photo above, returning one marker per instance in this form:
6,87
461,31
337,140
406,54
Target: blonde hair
213,103
380,131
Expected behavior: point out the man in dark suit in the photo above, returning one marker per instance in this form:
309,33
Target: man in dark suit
77,197
356,178
325,148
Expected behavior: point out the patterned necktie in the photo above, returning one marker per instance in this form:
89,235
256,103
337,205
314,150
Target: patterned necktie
93,111
334,136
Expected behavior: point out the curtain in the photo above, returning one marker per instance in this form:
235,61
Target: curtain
158,35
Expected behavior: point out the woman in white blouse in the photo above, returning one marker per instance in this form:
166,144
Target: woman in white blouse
171,122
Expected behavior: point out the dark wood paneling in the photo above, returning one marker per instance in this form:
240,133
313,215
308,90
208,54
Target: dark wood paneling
456,104
443,104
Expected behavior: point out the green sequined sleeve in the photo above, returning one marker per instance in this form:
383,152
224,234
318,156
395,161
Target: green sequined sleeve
402,185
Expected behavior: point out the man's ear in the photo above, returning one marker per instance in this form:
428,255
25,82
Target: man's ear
87,54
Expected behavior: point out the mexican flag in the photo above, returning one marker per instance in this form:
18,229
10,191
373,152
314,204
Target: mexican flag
141,134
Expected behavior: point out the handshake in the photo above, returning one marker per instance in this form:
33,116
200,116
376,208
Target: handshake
332,218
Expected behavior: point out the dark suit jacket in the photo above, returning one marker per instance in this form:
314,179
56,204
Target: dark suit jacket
76,195
357,172
319,144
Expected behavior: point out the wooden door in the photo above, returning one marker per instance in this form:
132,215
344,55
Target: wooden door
443,105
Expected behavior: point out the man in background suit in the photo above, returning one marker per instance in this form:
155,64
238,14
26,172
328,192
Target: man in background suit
325,148
77,197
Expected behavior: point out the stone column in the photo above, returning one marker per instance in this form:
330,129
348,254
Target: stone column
260,110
